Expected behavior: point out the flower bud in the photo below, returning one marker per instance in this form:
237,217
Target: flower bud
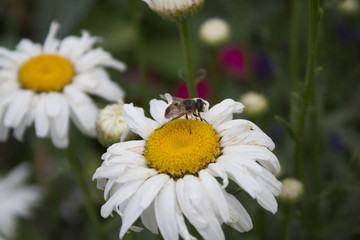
214,32
255,104
292,190
110,124
175,10
349,6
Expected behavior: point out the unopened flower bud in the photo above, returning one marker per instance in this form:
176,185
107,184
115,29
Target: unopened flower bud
175,10
215,32
255,104
110,124
349,6
292,190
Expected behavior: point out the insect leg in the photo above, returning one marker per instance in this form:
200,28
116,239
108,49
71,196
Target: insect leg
187,119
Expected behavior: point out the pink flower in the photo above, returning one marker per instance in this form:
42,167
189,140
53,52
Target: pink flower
232,60
202,87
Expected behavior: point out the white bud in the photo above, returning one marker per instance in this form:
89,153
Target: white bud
175,10
110,124
255,104
292,190
215,32
349,6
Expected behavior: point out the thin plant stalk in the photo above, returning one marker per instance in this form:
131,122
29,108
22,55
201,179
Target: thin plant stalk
183,27
140,50
215,75
294,57
77,170
313,31
285,222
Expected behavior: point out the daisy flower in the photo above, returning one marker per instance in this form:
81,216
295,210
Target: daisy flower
16,199
173,174
48,84
175,9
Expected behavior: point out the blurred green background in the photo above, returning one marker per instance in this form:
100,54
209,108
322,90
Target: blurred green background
260,30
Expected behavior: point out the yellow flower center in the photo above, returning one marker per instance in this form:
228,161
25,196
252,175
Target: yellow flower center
173,150
46,73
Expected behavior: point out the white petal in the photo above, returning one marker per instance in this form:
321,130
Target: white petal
212,228
148,219
222,112
74,47
131,213
241,176
243,132
217,171
59,141
258,153
53,104
187,206
127,158
14,56
97,57
96,81
20,130
60,122
239,218
165,212
41,119
141,200
215,194
121,195
4,133
27,46
157,110
183,231
83,110
152,187
137,121
137,146
267,201
17,108
51,43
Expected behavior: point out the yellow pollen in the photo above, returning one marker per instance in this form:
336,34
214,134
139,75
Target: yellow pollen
174,151
46,73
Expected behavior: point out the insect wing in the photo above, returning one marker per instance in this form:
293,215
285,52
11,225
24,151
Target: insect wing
175,112
170,98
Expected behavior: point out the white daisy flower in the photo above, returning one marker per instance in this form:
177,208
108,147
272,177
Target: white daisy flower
48,84
16,199
175,9
172,174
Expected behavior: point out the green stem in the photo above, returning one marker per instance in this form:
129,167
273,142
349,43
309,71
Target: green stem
262,225
183,26
140,51
313,31
215,76
285,222
294,58
77,170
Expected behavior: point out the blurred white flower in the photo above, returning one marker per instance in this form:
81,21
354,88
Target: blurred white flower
172,173
175,9
110,124
255,103
292,190
16,198
48,84
349,6
214,32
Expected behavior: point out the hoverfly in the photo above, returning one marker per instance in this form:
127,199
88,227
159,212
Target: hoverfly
180,107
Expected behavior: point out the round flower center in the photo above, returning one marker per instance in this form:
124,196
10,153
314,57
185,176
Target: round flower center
46,73
172,149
